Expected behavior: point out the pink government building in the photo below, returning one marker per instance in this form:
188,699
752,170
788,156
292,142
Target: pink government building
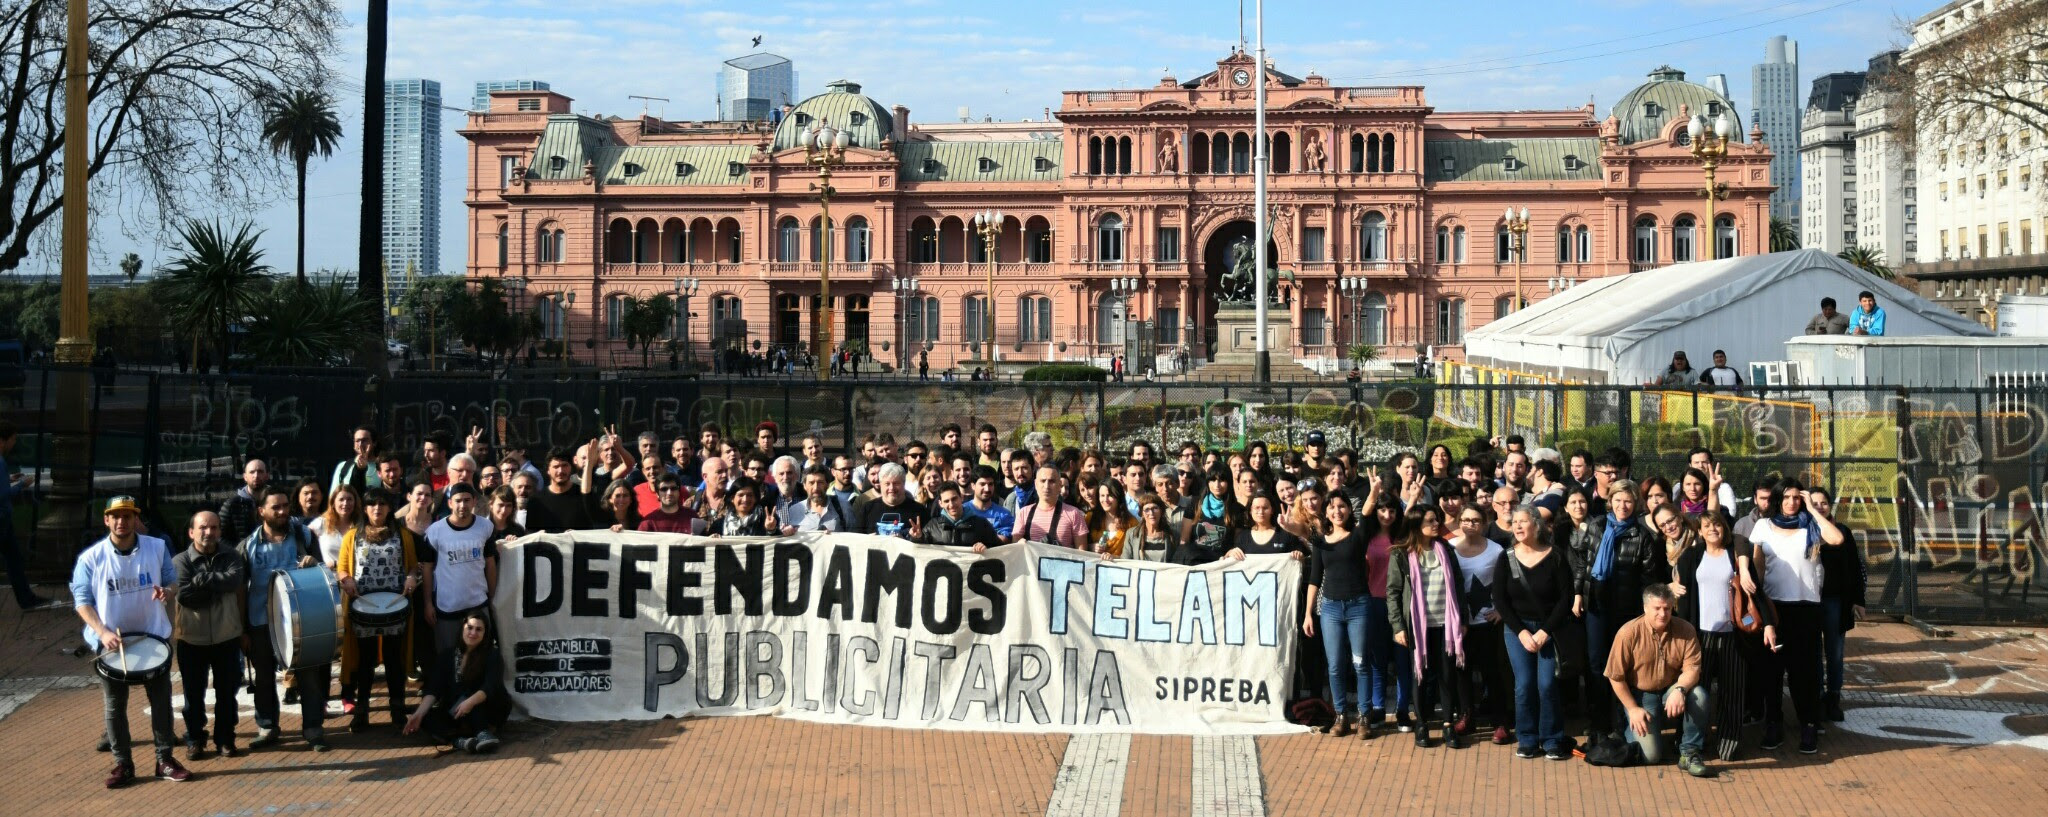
1119,211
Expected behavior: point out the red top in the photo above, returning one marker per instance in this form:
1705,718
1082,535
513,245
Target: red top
661,521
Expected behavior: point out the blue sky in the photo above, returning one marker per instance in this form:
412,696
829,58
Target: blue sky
1012,61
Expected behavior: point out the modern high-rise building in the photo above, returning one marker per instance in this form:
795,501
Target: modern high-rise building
482,100
1774,91
1827,163
1886,182
412,181
752,88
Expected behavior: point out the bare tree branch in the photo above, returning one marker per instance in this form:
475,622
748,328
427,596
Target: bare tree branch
1971,79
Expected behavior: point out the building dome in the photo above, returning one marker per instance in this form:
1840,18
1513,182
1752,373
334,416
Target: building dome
1644,111
845,108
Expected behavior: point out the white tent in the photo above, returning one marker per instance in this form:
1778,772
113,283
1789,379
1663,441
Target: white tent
1623,329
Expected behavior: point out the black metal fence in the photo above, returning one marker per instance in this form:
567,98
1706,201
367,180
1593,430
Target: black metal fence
1942,485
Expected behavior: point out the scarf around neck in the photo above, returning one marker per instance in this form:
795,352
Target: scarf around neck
1418,606
1603,561
1212,507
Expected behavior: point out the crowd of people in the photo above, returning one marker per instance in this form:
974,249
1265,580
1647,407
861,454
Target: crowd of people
1867,320
1559,602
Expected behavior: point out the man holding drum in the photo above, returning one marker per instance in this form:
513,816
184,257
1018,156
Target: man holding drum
213,591
120,587
278,545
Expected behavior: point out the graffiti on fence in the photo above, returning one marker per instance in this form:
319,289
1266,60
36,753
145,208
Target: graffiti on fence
540,424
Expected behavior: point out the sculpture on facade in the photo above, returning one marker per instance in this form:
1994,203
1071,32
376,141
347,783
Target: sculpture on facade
1237,286
1313,158
1169,153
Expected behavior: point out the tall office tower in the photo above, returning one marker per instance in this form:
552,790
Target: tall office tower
482,100
1774,90
755,87
412,181
1827,163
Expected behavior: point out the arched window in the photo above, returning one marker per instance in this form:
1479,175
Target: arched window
1503,245
1198,154
725,308
1458,245
1503,306
1282,152
820,234
1358,153
1038,241
1219,154
1123,155
1034,318
1683,239
1372,237
857,240
1374,309
1585,241
1111,320
550,246
1109,239
1564,245
733,246
614,317
618,242
1372,153
788,240
504,242
1386,153
1725,245
1450,321
1241,153
1646,240
924,242
1094,155
1443,244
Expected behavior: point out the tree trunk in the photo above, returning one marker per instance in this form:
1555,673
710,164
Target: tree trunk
302,219
370,220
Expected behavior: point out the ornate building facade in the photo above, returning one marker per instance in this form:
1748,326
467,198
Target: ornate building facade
1118,213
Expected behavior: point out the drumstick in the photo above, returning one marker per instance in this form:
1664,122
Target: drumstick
121,647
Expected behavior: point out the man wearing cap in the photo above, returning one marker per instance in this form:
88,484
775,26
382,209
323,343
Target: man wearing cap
120,584
278,545
1316,452
461,566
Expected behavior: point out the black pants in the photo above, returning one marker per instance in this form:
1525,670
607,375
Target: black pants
1439,680
1796,661
313,683
1486,666
487,716
114,699
223,662
389,651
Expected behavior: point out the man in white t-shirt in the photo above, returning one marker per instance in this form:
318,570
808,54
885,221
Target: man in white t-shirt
121,583
1721,375
461,566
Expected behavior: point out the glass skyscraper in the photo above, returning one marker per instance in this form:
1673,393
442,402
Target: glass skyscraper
1774,90
482,100
752,87
412,181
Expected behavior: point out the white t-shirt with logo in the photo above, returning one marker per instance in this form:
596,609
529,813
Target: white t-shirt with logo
459,554
122,586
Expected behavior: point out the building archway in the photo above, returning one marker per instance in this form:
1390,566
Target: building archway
1216,262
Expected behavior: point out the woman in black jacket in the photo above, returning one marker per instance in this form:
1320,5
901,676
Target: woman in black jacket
1709,571
1212,528
465,701
1843,577
1535,604
1617,558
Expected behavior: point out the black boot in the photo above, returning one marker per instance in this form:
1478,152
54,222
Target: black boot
1831,705
1422,740
1451,738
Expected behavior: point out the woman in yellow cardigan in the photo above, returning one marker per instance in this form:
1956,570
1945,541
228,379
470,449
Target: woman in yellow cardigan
379,557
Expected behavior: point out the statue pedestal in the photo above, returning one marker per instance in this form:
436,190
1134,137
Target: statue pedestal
1237,334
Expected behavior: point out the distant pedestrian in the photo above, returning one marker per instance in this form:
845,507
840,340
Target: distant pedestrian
1829,321
1721,374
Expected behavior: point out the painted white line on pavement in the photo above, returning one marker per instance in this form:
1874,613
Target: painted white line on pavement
1226,777
1091,777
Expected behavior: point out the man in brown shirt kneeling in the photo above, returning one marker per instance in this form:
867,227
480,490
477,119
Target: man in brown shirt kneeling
1654,666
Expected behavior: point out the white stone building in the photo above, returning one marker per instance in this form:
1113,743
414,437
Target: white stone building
1827,164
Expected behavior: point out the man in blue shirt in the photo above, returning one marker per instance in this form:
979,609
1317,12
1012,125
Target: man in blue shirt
1868,319
17,565
278,544
985,504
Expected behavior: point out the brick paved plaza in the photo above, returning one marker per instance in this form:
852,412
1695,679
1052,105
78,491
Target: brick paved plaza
1936,726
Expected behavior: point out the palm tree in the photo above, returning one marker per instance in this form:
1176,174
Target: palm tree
1783,237
1870,259
309,324
300,124
1362,354
131,266
215,280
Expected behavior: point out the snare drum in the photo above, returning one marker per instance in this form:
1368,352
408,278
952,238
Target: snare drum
379,613
142,658
305,617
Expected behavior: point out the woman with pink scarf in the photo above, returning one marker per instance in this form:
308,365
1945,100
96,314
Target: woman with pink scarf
1426,610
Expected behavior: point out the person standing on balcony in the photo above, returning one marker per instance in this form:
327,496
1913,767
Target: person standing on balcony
1868,319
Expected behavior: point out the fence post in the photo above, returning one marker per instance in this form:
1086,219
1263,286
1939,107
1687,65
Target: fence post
846,419
150,451
1101,405
1627,421
1904,509
1488,391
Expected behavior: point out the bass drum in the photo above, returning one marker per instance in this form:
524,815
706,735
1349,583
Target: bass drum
305,617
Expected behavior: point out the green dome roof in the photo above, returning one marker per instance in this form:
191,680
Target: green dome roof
843,106
1644,111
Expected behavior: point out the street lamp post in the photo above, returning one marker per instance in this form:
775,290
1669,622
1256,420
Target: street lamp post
1124,290
824,147
989,223
1354,289
685,287
1518,246
1709,146
562,315
905,288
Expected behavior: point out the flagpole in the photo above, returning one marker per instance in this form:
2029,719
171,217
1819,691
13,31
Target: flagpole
1262,364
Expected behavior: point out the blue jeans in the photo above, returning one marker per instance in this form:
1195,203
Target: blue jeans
1389,663
1834,613
1537,720
1692,733
1344,629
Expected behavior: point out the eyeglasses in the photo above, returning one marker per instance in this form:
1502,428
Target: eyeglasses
668,489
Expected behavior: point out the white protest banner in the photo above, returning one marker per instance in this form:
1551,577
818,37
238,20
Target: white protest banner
842,628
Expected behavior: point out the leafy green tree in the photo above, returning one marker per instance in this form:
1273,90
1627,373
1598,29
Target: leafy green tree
313,323
301,124
1870,259
1362,354
215,280
131,266
645,319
